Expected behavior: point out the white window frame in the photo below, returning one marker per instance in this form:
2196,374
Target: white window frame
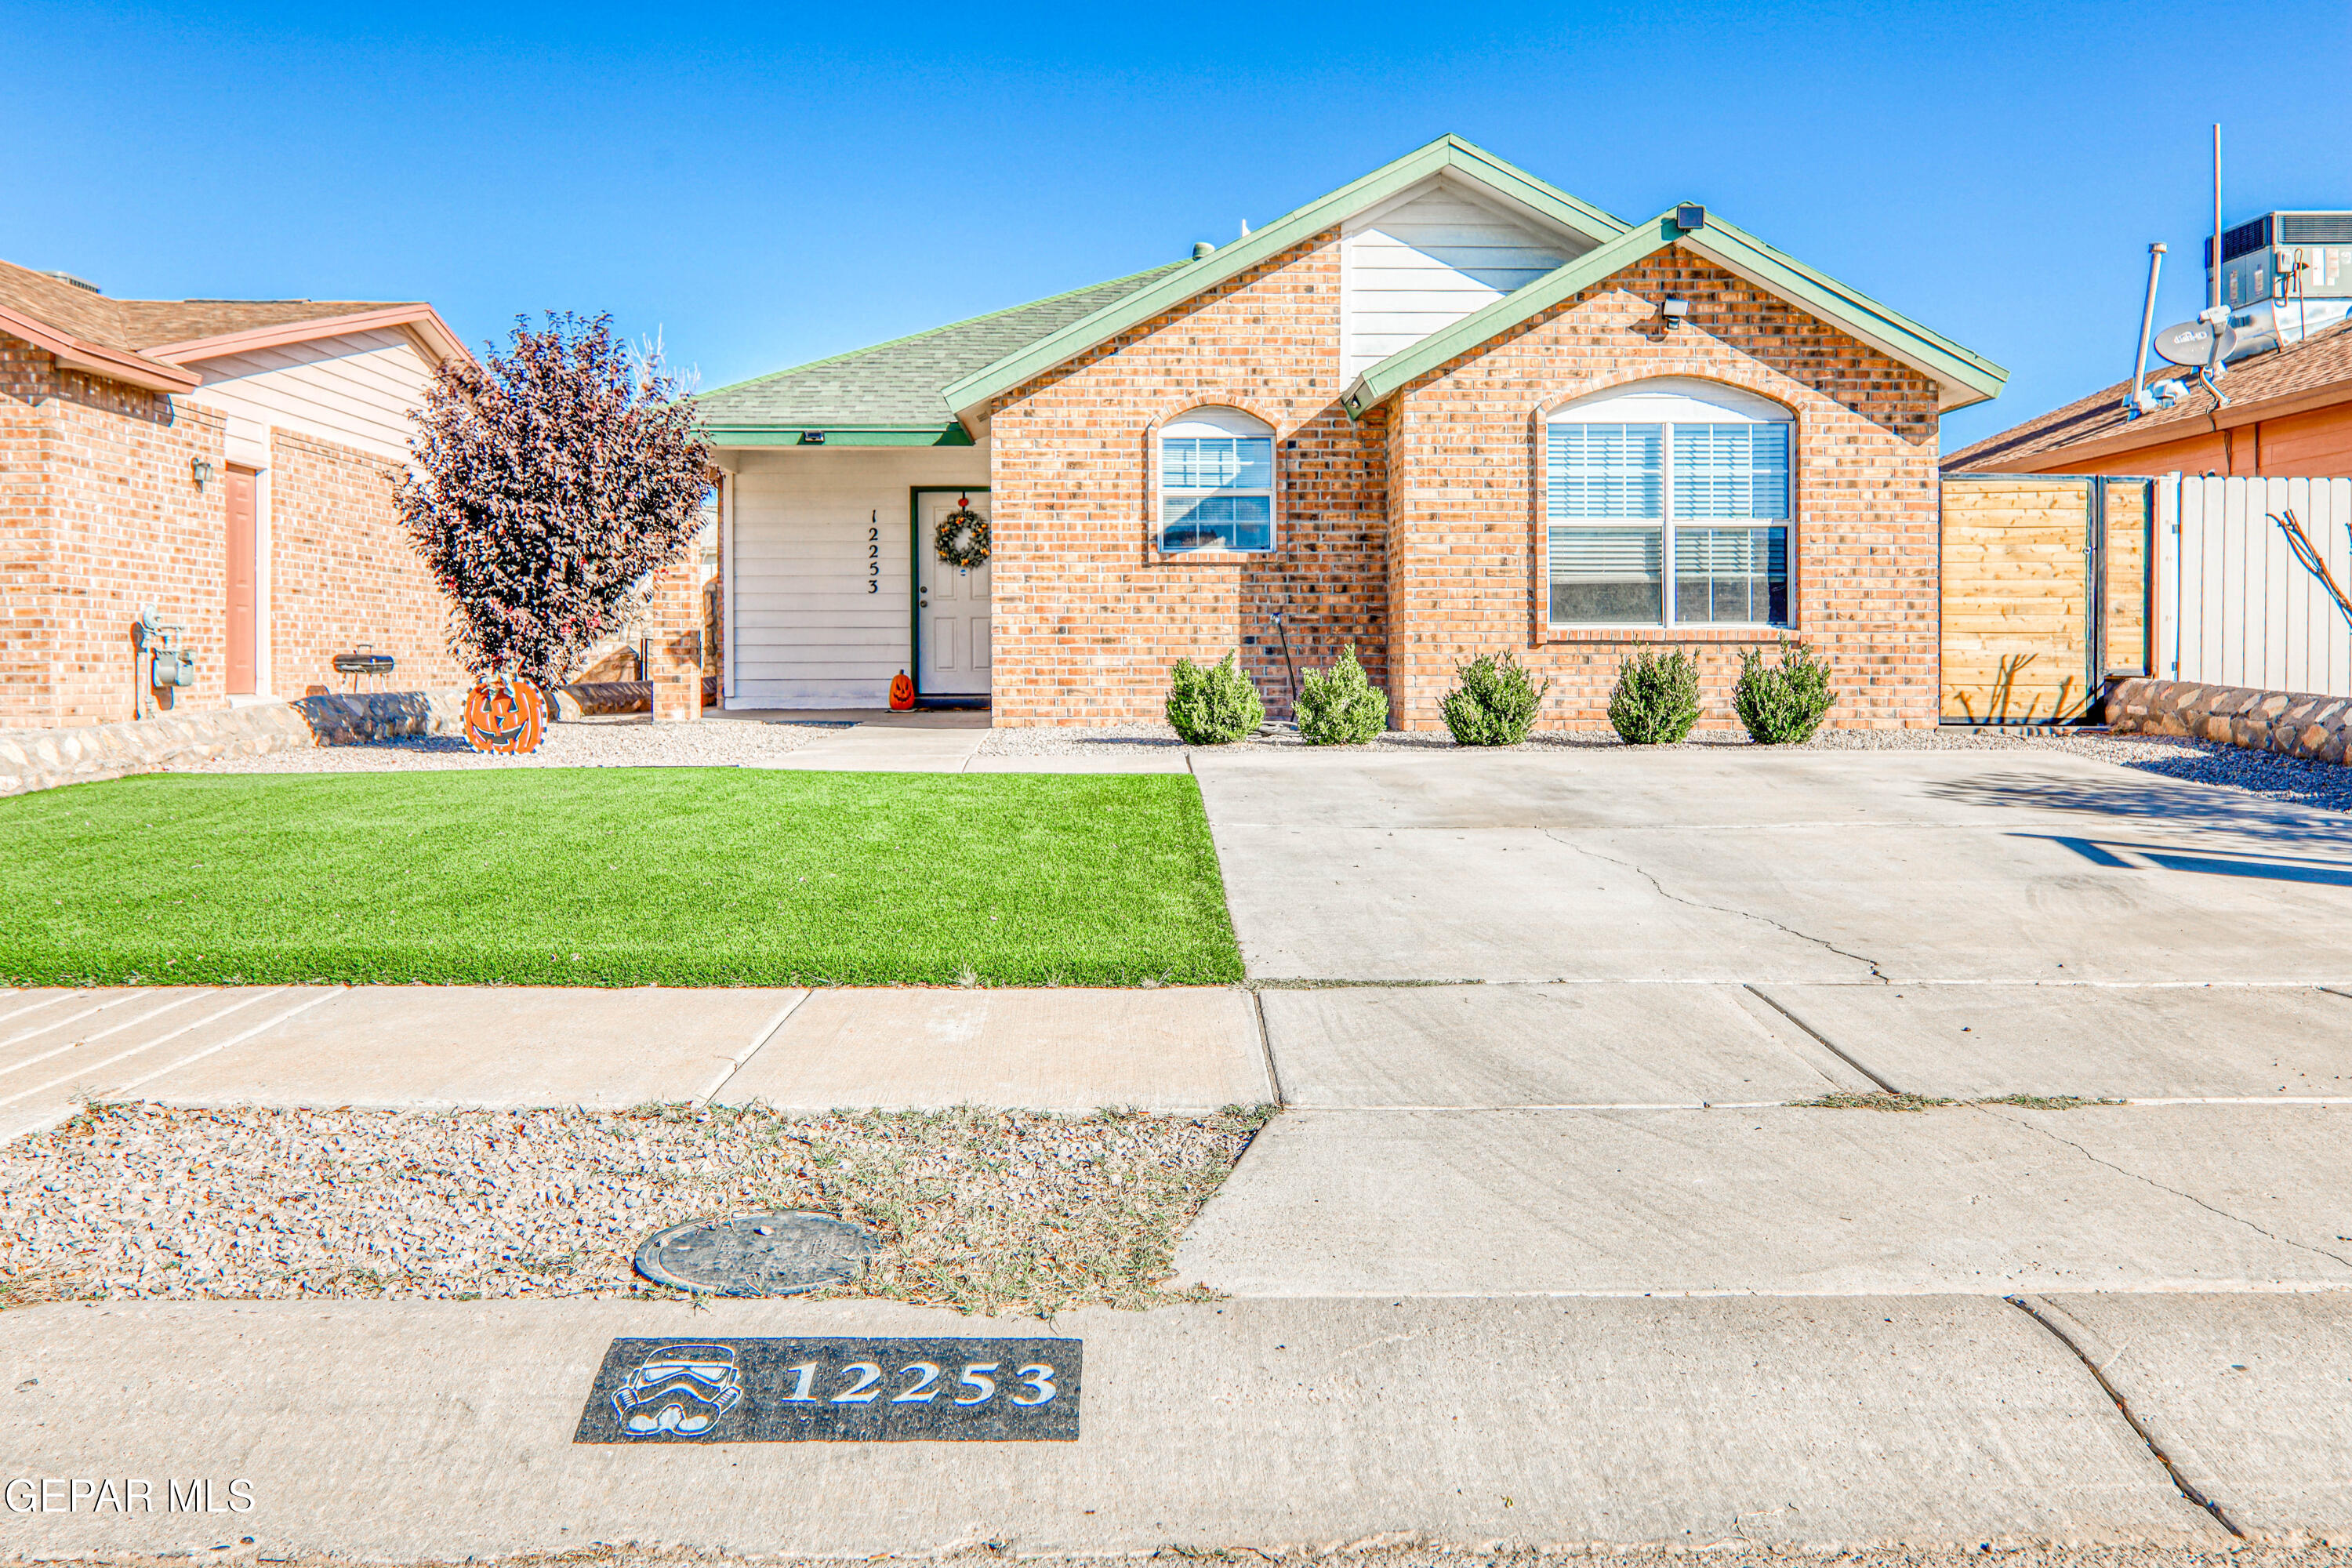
1214,421
1665,402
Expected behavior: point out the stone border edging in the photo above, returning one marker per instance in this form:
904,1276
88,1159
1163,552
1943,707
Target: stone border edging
2292,723
583,697
43,759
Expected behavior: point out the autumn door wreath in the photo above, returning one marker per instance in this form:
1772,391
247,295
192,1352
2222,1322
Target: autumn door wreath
961,536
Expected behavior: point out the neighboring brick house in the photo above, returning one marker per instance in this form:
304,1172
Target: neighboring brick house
227,463
1443,411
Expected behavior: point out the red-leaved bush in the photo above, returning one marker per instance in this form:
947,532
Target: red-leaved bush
549,483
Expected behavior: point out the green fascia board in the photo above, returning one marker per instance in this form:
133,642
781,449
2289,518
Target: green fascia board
1230,260
1948,364
949,434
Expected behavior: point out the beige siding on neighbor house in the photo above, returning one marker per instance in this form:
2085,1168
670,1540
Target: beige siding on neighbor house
355,390
1421,263
804,629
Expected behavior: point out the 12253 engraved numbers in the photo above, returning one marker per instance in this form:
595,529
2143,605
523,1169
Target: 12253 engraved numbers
838,1389
977,1384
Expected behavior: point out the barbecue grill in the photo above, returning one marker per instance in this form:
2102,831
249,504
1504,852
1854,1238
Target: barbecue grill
360,662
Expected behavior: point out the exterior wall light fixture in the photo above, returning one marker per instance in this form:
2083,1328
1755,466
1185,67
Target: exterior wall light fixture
201,469
1673,312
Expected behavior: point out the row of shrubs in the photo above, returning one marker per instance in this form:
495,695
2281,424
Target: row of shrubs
1655,702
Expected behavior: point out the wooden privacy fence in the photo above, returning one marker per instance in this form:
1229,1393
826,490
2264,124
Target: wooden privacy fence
2046,593
2234,606
2055,584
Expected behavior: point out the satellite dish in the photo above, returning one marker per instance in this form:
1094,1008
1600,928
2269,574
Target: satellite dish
2197,344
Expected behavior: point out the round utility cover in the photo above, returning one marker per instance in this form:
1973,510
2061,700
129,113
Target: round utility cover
2192,343
755,1254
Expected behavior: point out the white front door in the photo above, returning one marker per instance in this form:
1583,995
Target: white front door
952,621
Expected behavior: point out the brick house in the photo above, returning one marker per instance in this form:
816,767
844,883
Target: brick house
1444,410
227,463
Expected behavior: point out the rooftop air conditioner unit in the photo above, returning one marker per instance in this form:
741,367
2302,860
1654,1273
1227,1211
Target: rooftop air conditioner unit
2284,254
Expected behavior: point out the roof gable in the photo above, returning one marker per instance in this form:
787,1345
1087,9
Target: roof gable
969,395
148,342
1961,376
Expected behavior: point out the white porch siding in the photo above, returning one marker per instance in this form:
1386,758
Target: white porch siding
1423,262
802,631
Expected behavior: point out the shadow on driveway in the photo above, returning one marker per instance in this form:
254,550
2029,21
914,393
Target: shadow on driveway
2263,820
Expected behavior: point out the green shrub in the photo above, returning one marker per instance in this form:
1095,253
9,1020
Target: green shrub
1340,706
1495,703
1782,707
1657,699
1213,705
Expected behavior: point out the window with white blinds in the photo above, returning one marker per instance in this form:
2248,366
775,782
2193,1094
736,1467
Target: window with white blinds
1216,482
1706,487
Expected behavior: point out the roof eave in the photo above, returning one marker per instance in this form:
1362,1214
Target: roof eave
947,433
421,320
114,365
971,396
2137,436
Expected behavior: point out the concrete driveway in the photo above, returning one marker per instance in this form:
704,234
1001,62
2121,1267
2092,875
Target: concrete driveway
1711,863
1550,1024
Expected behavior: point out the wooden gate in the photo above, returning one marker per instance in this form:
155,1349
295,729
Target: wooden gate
2045,593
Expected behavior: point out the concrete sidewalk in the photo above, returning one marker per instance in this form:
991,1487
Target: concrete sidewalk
414,1046
444,1431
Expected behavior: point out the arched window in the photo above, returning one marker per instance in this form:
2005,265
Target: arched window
1674,469
1216,481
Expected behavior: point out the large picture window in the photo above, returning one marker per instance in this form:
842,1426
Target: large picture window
1681,471
1216,482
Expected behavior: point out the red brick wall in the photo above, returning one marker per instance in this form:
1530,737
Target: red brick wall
341,572
105,519
1468,536
101,516
28,579
1416,533
1088,616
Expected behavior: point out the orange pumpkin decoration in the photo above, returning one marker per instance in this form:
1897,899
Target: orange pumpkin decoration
505,716
902,693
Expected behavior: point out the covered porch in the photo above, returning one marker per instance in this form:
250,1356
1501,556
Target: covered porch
831,581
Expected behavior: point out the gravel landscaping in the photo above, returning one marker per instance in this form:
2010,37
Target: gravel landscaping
982,1211
634,742
2288,779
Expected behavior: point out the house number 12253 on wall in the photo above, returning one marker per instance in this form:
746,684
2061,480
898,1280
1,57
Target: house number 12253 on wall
833,1390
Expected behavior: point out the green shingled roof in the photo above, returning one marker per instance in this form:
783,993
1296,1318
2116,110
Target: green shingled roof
890,394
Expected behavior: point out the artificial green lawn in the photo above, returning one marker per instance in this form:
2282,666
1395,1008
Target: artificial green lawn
615,877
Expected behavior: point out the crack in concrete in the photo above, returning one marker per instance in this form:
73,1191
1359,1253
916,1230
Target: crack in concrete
2159,1186
2123,1406
1876,974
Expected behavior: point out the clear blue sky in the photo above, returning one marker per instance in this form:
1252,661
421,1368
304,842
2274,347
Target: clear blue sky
772,183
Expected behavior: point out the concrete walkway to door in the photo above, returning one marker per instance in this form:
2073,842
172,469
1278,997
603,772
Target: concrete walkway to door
928,740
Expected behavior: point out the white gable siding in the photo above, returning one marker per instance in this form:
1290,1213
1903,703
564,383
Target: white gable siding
802,629
356,389
1425,260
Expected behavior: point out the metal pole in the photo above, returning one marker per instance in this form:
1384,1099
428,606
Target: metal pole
2134,407
2213,272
